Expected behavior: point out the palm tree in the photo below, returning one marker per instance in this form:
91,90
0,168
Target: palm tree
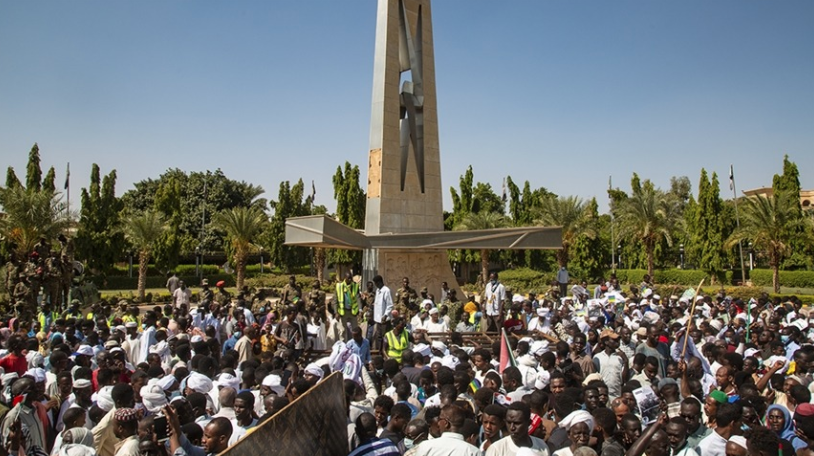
241,225
647,217
142,230
767,223
30,215
571,213
482,221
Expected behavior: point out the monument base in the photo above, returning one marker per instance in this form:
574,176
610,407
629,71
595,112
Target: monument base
424,269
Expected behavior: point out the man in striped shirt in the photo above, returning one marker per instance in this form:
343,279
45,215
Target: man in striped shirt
370,444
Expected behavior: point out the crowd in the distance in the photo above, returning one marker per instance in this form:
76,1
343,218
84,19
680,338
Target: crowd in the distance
583,371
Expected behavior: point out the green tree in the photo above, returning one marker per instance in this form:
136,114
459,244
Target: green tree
647,217
168,202
350,210
30,215
142,230
705,230
291,202
767,223
11,178
99,238
203,194
788,184
33,175
586,256
48,182
242,226
483,221
575,218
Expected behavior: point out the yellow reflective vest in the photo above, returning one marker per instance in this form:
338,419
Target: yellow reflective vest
352,291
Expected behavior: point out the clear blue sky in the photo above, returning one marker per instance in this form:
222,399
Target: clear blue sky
560,93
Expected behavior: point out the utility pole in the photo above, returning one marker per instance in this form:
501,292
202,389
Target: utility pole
613,239
737,220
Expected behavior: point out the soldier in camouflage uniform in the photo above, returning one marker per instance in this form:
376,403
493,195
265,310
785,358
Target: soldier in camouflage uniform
12,276
24,295
454,307
43,249
53,280
33,273
316,300
406,299
222,297
66,280
67,248
291,291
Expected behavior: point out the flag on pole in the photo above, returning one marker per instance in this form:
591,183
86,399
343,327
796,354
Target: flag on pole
504,191
610,184
731,177
506,355
313,190
68,177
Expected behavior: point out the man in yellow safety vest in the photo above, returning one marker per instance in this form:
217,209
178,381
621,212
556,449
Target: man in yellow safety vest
347,304
397,340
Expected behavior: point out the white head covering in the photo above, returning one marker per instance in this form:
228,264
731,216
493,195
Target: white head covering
738,440
229,380
37,373
543,377
577,416
422,349
82,383
538,347
153,397
199,382
438,345
104,398
166,382
314,370
75,449
275,383
450,361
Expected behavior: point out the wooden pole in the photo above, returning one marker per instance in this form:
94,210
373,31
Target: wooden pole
689,323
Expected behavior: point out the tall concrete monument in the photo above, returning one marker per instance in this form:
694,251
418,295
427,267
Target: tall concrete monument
404,223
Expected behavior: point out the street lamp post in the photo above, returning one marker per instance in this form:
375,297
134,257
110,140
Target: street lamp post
619,255
751,256
130,267
198,261
681,250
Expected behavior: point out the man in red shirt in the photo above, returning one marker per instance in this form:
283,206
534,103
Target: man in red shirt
15,361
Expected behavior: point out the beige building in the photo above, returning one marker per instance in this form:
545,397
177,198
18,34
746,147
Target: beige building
806,196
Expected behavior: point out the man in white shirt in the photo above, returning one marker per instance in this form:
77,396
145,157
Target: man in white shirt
728,420
518,418
495,294
451,442
382,308
181,295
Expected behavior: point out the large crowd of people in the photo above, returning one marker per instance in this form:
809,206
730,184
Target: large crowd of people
585,371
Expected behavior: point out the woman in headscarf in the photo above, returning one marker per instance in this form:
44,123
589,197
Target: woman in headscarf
579,424
778,419
71,437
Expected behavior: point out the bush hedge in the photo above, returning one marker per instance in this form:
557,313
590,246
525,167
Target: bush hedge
525,279
131,283
793,279
669,276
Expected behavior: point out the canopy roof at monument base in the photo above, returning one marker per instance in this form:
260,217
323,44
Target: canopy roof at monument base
326,232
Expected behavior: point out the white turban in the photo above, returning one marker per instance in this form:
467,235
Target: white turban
538,347
82,383
543,377
166,382
75,449
229,380
578,416
199,382
37,373
104,398
738,440
422,349
153,397
450,361
314,370
275,383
